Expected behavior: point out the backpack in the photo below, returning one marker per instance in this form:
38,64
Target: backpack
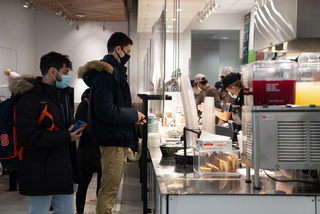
10,153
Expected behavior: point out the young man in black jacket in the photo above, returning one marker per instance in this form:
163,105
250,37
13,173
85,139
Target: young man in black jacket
111,117
48,169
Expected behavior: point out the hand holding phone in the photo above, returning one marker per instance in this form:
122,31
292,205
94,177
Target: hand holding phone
79,124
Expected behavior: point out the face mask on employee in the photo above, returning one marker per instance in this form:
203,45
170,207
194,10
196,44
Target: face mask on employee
124,59
65,81
234,96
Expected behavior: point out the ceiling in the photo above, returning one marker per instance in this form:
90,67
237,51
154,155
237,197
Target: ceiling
150,10
87,10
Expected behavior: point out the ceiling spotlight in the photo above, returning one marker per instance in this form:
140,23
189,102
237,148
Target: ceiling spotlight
26,4
207,13
77,27
200,17
104,27
60,12
31,7
69,21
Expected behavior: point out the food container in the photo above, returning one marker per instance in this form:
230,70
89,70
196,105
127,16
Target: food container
216,162
308,83
269,82
179,156
170,149
217,142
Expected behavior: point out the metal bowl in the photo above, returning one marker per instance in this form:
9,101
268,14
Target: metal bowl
179,157
170,149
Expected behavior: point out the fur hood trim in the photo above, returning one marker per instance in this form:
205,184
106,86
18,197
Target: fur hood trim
22,84
96,65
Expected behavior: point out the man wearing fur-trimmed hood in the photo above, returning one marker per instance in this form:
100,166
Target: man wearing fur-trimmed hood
111,118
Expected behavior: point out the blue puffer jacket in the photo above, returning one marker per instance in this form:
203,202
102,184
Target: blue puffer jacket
111,117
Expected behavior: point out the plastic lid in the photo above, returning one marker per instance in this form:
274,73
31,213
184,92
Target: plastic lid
308,57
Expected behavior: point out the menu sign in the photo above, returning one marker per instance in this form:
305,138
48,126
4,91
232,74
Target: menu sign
246,33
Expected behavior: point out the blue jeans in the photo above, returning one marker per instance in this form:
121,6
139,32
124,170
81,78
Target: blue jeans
62,204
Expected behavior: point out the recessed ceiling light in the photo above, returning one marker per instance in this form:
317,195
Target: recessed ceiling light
170,26
224,37
178,10
174,19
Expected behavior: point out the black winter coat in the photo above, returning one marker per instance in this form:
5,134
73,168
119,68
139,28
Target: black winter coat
88,153
49,164
111,114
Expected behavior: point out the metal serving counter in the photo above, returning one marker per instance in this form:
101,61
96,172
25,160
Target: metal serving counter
174,189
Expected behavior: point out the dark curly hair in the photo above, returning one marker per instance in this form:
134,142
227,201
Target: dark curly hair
54,59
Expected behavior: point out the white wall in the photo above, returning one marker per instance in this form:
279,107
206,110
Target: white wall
89,43
185,51
184,55
205,59
229,54
133,65
27,35
209,57
17,39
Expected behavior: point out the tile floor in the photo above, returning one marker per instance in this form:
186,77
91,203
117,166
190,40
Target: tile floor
128,200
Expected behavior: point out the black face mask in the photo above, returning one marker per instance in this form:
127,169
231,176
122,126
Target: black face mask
124,59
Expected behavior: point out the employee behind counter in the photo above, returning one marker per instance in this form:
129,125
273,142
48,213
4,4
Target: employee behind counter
233,84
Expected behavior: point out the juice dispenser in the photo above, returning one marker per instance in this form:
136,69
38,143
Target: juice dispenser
308,83
276,135
269,82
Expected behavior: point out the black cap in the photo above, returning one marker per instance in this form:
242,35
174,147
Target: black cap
218,85
192,82
229,79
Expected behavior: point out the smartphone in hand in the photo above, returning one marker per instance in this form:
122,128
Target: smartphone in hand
79,124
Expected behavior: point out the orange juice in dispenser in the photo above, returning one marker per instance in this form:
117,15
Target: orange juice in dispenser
308,83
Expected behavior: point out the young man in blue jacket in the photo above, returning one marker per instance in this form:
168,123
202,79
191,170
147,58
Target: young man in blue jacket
111,118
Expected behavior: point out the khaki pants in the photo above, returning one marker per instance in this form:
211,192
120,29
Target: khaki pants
113,162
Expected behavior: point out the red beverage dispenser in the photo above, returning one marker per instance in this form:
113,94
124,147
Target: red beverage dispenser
269,82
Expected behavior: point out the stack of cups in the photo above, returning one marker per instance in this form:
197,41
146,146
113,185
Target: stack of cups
190,110
208,116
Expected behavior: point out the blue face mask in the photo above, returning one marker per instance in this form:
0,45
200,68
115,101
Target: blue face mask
64,82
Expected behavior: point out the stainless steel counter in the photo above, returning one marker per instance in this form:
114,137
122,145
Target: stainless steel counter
174,179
